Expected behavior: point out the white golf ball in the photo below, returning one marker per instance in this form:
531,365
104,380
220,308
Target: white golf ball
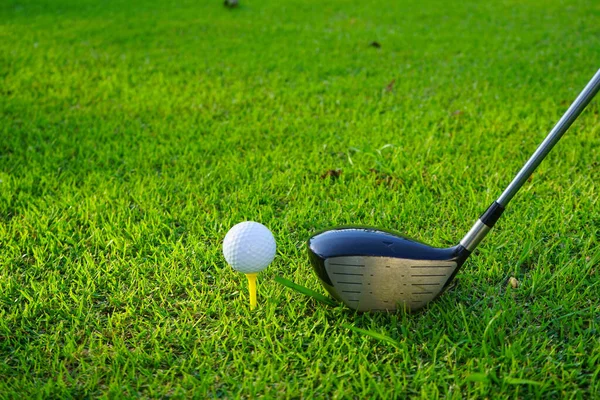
249,247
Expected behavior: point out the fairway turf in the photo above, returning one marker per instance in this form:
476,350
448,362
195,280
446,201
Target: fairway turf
134,134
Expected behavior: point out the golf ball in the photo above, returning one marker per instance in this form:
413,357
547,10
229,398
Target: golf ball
249,247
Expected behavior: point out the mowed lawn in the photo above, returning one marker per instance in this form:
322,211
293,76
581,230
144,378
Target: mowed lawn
134,134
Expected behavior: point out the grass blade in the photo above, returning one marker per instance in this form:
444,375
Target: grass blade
518,381
373,334
477,377
305,291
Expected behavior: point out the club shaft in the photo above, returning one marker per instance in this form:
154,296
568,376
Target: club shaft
489,218
586,95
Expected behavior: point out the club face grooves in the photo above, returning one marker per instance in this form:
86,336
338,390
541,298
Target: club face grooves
375,270
388,283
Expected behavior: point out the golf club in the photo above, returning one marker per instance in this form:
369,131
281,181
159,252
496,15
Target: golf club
370,269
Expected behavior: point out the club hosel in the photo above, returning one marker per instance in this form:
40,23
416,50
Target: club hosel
481,228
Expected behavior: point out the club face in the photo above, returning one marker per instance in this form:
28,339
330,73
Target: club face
376,270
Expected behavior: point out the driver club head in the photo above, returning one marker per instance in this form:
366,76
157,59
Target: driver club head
374,270
371,269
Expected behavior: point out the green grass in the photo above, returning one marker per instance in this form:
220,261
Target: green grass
134,134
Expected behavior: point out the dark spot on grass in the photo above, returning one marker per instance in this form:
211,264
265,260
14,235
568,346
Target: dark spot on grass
332,173
526,266
375,44
382,178
390,86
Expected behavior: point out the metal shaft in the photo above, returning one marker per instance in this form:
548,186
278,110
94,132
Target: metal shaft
487,221
586,95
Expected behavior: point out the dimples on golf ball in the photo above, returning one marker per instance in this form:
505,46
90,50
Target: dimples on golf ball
249,247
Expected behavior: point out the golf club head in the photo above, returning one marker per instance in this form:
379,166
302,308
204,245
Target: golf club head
371,269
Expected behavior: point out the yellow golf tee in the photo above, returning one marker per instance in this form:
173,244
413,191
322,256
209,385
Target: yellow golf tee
252,289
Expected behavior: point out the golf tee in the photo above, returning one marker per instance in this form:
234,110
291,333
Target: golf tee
252,289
